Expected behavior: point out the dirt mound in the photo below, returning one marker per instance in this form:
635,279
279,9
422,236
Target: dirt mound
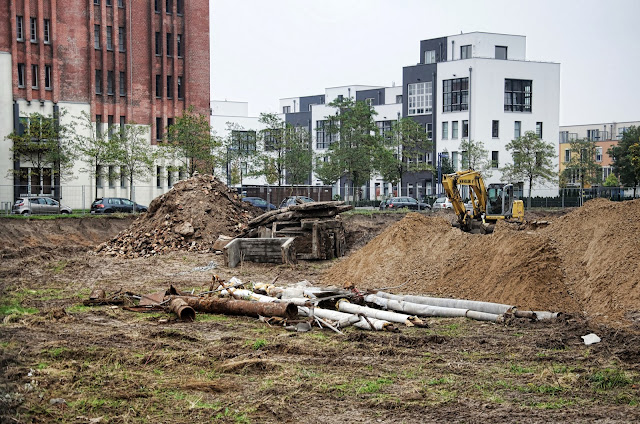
428,256
600,245
587,261
190,217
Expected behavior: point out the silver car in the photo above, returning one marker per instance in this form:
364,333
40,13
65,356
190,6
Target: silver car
39,205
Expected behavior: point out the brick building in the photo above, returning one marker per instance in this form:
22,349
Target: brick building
120,61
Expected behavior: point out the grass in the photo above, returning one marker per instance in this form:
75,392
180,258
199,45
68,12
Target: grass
608,378
259,344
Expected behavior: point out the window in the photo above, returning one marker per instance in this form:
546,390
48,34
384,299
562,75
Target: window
324,136
159,176
96,37
123,177
111,174
340,97
455,95
286,109
567,155
368,101
429,129
120,3
454,160
34,30
465,52
98,126
539,129
180,89
598,154
99,182
98,81
179,45
420,96
398,98
110,83
169,7
156,6
593,135
494,159
384,127
169,122
47,31
517,95
123,121
47,77
109,126
430,57
564,136
179,10
121,38
96,2
169,44
158,85
109,38
158,44
445,130
34,76
121,84
20,28
158,129
244,140
20,74
169,86
501,52
495,129
516,129
465,129
454,130
109,3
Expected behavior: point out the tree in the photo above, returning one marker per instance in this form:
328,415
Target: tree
356,143
475,156
404,150
135,156
95,148
286,152
582,165
190,142
612,181
46,146
623,166
446,164
533,161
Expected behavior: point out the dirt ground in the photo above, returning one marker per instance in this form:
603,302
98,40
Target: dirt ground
64,362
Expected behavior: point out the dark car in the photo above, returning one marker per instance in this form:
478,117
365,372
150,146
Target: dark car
115,204
406,202
295,200
260,203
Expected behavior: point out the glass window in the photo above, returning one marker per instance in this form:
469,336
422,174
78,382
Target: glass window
158,44
98,126
158,129
430,57
244,140
169,44
47,31
598,154
429,131
501,52
494,159
122,84
34,76
517,95
169,6
34,30
20,74
465,129
47,76
121,38
567,155
445,130
179,44
399,98
110,82
179,10
516,129
156,6
158,85
455,95
465,52
420,98
495,129
109,38
286,109
180,89
96,37
539,129
169,86
19,28
454,130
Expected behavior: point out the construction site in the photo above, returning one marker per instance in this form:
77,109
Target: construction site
207,309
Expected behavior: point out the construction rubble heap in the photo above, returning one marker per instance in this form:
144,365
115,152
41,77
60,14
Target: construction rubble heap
190,217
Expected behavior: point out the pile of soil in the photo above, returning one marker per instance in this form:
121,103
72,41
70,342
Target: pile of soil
190,217
587,261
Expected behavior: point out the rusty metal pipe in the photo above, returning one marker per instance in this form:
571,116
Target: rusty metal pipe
243,307
179,307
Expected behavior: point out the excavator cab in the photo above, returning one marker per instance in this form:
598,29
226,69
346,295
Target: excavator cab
499,200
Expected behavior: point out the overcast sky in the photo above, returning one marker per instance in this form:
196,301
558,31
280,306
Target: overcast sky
264,50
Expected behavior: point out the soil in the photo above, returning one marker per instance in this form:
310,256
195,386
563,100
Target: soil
64,362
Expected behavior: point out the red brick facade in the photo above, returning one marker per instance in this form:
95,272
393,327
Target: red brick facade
71,59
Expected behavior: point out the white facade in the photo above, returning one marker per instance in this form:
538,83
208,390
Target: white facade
596,132
483,45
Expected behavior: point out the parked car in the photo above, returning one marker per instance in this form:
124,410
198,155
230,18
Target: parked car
294,200
406,202
442,203
260,203
115,204
38,205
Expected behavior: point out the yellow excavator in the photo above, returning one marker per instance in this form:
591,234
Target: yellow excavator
488,206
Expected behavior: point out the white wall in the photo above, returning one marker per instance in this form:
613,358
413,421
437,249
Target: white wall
6,126
487,104
225,108
483,45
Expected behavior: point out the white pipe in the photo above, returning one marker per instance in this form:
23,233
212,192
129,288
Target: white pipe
492,308
346,306
339,316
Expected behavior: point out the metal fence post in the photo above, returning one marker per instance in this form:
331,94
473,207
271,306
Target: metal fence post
84,209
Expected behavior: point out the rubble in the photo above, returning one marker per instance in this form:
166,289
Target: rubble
191,216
